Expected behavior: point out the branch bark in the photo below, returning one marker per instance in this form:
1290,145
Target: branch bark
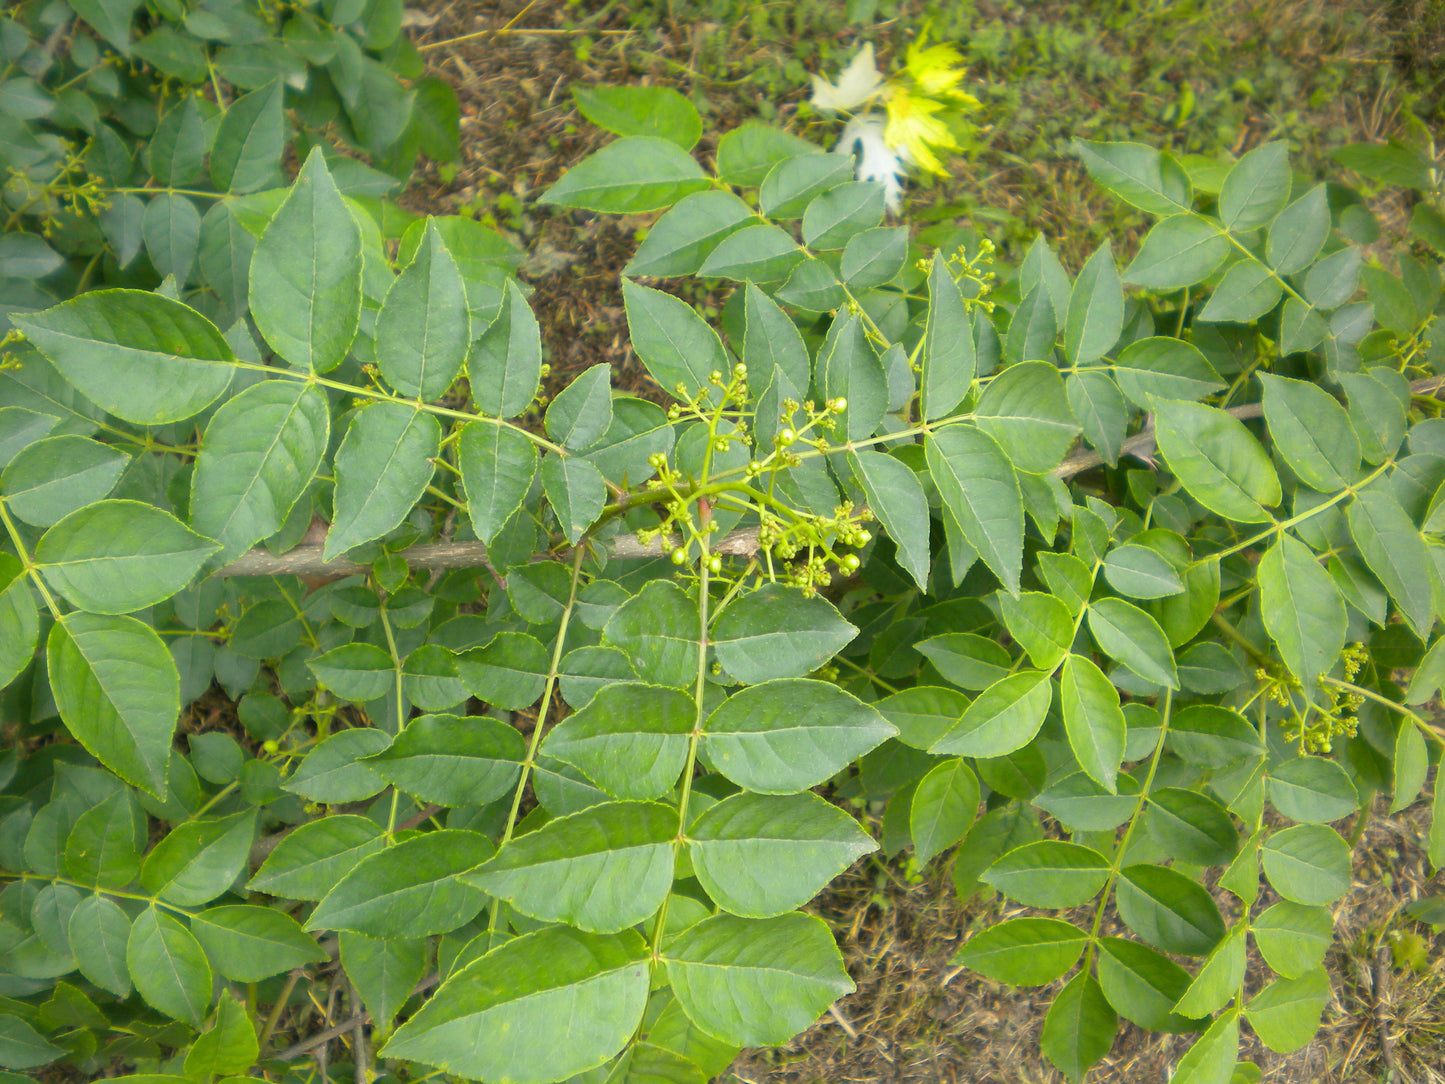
305,560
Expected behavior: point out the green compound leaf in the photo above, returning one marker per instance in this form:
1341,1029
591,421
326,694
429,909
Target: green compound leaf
756,982
1211,1060
334,770
104,846
629,176
383,970
677,345
1217,460
788,735
114,557
680,240
498,464
538,1009
1178,252
943,808
1286,1013
508,673
118,692
1301,608
250,140
603,869
1298,234
1256,189
99,931
1247,291
172,229
308,862
22,1047
976,481
382,467
849,368
1005,717
423,331
1103,414
759,253
950,360
1192,827
504,365
1308,864
577,492
1093,720
1130,636
409,890
247,943
1026,410
1096,309
794,182
582,411
1219,977
259,453
1024,951
762,855
874,257
1168,910
1049,873
1312,432
830,220
1080,1027
896,497
228,1047
141,356
359,672
777,632
1311,790
770,339
1293,938
630,740
168,967
199,860
1142,985
1149,566
453,761
1138,175
1395,550
1164,368
657,629
641,111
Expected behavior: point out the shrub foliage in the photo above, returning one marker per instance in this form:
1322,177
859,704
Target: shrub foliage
1106,585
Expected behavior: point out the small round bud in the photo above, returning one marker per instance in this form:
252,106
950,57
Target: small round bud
850,563
786,437
864,537
271,746
714,564
740,370
715,377
839,405
679,557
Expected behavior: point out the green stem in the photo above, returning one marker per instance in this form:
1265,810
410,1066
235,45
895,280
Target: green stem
1116,862
1284,525
684,798
27,562
1369,694
542,712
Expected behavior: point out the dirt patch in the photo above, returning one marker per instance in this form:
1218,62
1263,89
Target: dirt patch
917,1018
